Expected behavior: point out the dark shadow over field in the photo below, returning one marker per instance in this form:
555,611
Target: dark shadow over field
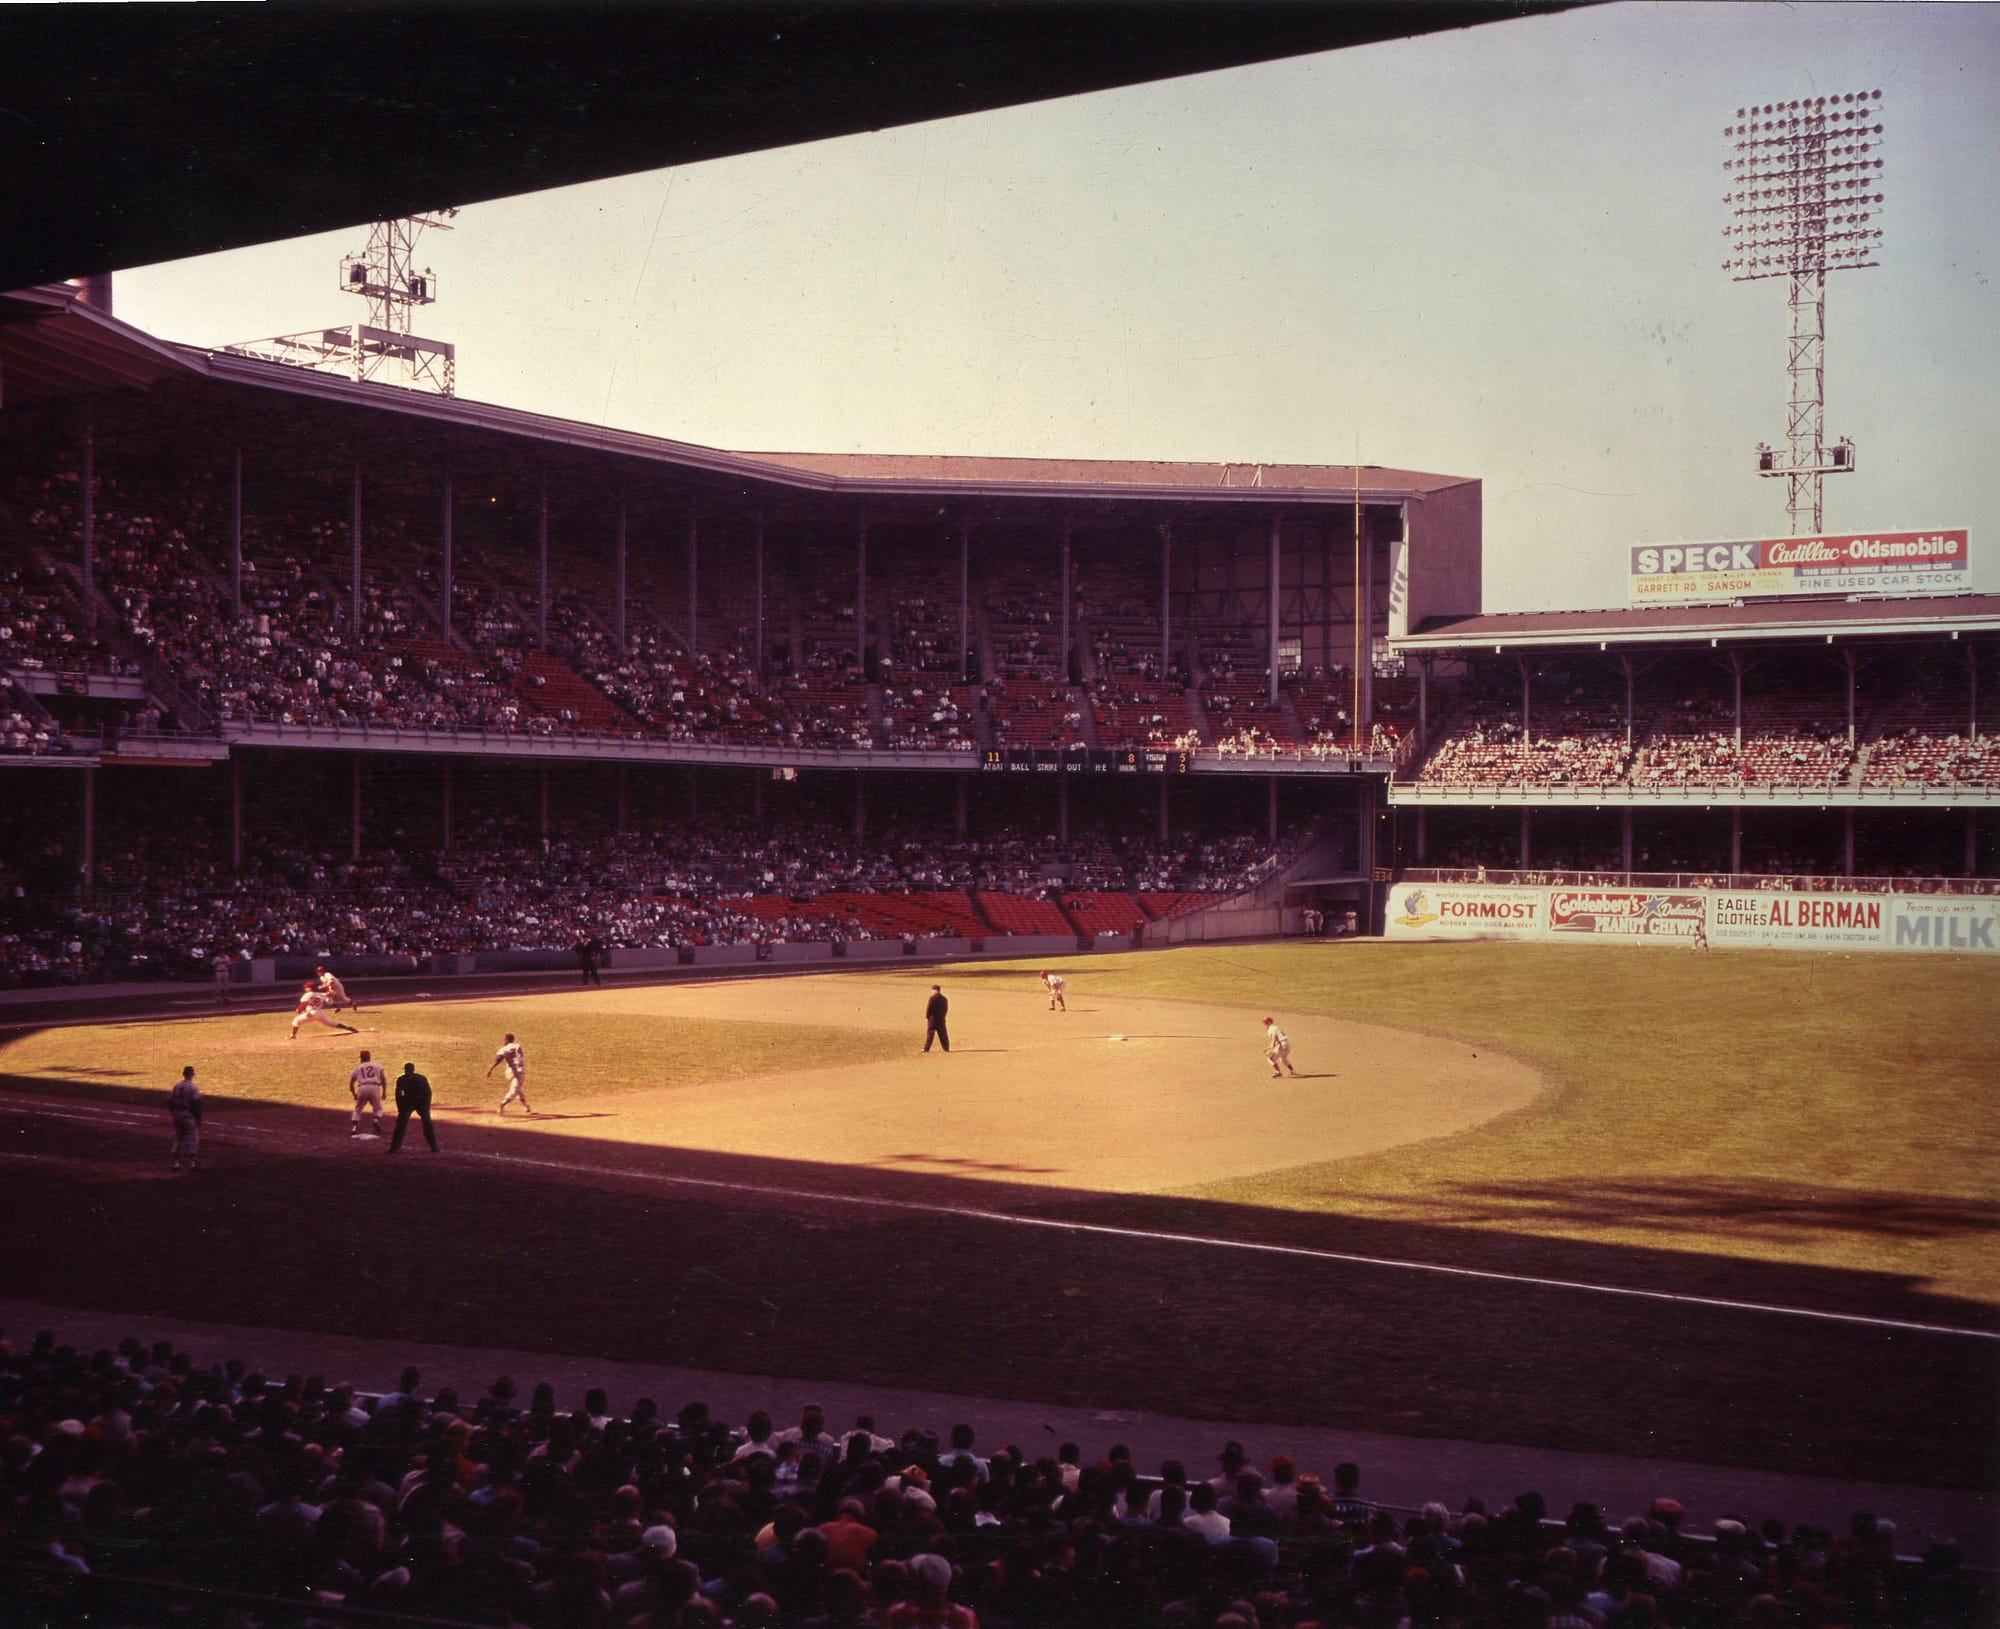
1769,1209
677,1257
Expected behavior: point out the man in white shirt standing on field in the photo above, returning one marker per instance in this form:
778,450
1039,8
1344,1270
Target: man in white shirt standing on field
516,1060
368,1084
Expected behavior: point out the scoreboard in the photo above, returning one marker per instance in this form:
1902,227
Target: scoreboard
1085,761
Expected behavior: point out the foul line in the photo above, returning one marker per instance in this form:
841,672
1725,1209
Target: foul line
1154,1236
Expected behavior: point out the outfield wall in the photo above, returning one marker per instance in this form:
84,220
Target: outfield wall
1770,919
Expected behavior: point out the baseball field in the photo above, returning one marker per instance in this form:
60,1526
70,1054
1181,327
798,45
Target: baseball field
1739,1209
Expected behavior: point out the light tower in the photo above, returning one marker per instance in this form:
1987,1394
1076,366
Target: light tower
383,348
1805,183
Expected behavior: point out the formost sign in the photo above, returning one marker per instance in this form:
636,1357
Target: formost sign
1932,562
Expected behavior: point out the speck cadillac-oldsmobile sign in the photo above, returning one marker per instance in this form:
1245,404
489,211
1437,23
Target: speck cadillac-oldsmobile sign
1842,563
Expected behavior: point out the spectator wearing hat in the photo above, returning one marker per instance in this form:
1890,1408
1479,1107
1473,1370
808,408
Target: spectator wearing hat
1232,1459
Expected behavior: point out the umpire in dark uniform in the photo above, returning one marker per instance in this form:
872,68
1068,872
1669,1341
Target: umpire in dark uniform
413,1096
934,1011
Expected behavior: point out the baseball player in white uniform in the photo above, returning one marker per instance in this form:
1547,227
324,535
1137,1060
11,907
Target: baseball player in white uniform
1056,984
516,1060
312,1009
1277,1048
336,992
368,1083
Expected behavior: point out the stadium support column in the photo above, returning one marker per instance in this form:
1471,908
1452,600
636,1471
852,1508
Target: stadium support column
694,592
1424,703
1971,843
1271,584
1364,849
1852,665
1062,808
757,796
1625,662
965,603
1164,781
542,798
1527,851
354,557
1625,837
1972,678
444,560
964,610
354,808
1736,841
958,824
236,532
860,805
542,568
1271,807
618,580
89,828
1527,702
235,812
1423,835
1367,610
1847,842
1166,600
444,833
861,601
625,802
88,497
1736,670
1065,598
760,596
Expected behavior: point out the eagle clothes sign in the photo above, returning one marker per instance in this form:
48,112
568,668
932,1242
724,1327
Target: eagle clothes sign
1803,921
1871,563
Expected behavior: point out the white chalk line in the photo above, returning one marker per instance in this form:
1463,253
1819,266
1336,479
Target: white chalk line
1150,1235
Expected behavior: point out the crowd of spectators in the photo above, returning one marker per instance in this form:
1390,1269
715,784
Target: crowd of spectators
1914,757
26,729
137,1470
166,905
41,629
302,651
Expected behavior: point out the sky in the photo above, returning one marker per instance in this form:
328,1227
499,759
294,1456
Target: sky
1494,253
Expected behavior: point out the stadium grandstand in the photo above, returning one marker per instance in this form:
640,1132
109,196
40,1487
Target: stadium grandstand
394,646
414,660
1819,738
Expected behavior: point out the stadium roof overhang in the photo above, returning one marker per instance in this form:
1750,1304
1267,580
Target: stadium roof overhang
1823,621
55,347
137,134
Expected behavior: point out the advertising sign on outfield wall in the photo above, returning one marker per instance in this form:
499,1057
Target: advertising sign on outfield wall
1446,911
1624,911
1849,563
1799,921
1736,919
1927,922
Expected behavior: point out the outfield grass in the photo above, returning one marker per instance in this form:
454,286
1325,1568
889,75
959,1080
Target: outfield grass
1834,1110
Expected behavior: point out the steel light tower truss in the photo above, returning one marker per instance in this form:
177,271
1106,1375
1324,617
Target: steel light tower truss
383,348
1804,196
